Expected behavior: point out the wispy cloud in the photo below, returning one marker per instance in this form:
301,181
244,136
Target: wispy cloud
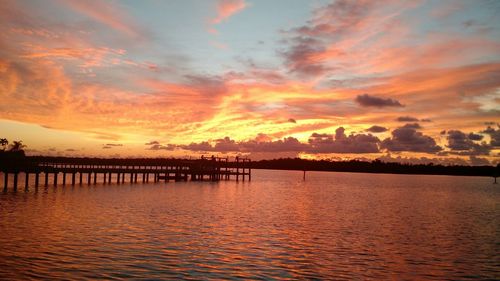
109,13
228,8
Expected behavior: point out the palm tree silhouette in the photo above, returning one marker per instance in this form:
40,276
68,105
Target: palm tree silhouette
4,142
17,146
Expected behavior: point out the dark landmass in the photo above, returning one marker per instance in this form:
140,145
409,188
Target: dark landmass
17,161
375,166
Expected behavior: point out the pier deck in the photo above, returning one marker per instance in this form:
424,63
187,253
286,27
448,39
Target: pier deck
61,171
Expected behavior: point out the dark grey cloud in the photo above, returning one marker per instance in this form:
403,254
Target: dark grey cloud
494,135
111,145
169,147
152,143
461,143
407,119
412,119
457,140
318,143
412,126
226,144
202,146
288,144
368,100
377,129
291,120
475,137
297,57
408,139
341,143
476,161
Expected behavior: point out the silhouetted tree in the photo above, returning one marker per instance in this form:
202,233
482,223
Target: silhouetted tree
4,143
17,146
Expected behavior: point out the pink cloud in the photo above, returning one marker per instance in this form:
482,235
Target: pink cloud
227,8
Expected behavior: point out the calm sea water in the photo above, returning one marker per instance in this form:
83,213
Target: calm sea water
332,226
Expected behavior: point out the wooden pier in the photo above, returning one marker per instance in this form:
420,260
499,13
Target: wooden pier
72,171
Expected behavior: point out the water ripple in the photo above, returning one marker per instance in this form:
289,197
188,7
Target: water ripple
337,226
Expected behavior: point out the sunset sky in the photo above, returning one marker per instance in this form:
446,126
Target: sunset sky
412,81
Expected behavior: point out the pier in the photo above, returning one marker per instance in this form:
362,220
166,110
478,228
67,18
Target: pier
56,171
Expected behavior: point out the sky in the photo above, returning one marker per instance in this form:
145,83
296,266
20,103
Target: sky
405,81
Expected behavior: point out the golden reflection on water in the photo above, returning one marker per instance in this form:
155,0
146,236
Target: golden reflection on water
332,226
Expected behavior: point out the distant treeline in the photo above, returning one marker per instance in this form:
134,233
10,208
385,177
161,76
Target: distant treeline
10,159
375,166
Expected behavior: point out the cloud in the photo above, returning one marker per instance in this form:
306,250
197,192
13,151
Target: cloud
415,126
407,119
476,161
494,135
228,8
475,137
152,143
288,144
291,120
368,100
300,57
408,139
114,144
108,13
317,143
376,129
341,143
462,144
457,140
168,147
412,119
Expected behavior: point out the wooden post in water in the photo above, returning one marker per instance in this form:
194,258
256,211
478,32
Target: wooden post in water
5,180
89,175
55,178
73,178
95,177
81,177
37,175
26,180
304,178
237,168
64,178
15,180
109,177
118,178
46,178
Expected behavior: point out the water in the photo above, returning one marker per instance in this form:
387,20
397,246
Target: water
332,226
